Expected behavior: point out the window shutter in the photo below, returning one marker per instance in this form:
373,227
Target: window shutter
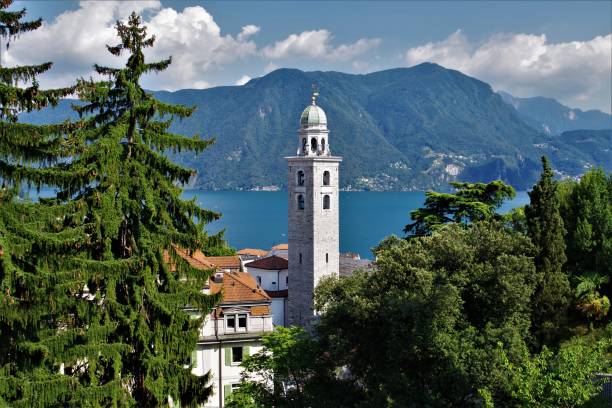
245,352
228,356
227,390
194,359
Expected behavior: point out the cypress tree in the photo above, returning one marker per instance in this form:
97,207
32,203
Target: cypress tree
109,286
545,228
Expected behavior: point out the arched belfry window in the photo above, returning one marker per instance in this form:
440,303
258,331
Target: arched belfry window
300,202
300,178
326,178
326,202
304,145
323,145
313,144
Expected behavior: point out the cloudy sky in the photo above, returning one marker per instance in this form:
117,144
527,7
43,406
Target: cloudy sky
556,49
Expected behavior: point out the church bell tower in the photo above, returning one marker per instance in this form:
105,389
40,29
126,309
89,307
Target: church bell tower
313,214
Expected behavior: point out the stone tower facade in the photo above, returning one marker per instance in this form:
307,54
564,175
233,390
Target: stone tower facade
313,214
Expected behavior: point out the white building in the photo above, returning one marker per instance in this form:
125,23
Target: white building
313,214
272,274
232,331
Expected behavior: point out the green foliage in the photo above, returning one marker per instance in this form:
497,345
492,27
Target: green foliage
545,228
586,208
291,371
566,378
471,202
423,328
589,301
92,312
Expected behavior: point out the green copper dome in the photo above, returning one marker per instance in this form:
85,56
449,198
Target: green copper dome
313,116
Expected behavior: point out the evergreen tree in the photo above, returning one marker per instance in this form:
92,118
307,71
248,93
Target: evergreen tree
102,270
545,228
25,307
470,202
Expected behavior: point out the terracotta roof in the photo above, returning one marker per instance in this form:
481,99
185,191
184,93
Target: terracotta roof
260,310
223,262
199,263
278,293
239,287
270,263
253,252
281,247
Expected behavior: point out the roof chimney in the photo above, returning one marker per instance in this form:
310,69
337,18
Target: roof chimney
218,277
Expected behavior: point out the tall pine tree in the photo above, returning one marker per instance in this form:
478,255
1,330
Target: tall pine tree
111,289
25,305
545,228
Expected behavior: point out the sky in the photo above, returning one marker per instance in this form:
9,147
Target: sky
557,49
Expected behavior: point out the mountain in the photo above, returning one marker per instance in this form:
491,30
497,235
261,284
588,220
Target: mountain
552,118
577,150
401,129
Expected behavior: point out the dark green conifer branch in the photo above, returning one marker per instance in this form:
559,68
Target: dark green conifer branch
93,272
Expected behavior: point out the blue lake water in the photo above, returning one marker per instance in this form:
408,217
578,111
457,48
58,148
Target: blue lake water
258,219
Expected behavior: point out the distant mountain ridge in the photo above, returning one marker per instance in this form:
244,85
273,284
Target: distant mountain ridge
401,129
553,118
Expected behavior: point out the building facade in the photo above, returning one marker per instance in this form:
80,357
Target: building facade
272,274
313,214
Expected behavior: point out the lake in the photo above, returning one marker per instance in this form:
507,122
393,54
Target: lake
258,219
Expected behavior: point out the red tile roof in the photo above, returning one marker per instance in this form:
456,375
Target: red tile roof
223,262
281,247
239,287
253,252
270,263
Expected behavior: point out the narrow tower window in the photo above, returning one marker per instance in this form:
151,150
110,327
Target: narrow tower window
326,178
304,145
300,262
300,178
300,202
326,201
313,145
327,258
323,145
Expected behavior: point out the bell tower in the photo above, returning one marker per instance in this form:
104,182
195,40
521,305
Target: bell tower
313,214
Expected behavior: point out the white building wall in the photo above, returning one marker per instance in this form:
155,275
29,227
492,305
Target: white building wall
278,311
270,279
208,360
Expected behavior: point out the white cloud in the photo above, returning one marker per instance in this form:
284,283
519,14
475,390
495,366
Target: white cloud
247,31
317,44
577,73
242,80
76,40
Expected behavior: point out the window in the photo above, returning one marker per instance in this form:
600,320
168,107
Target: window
323,145
236,322
313,144
230,322
236,355
300,178
300,202
326,178
242,321
326,202
300,260
259,280
304,145
287,281
327,258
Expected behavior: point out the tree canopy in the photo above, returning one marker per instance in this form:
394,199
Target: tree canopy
93,291
471,202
